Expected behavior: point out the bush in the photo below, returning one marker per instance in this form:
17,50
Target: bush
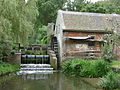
101,67
29,52
110,81
36,52
86,68
5,50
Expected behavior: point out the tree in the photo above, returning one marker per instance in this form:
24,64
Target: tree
47,14
21,17
40,37
48,11
112,41
107,6
17,20
116,2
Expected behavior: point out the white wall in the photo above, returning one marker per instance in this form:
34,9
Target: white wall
59,32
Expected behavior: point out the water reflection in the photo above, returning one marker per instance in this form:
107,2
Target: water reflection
55,81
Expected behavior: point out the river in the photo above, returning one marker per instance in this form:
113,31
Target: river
52,81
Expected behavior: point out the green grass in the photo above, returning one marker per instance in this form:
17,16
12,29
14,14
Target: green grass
6,67
86,68
115,63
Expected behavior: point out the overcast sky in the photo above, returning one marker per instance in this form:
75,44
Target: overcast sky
91,0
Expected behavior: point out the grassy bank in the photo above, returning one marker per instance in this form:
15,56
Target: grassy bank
109,80
86,68
115,63
6,67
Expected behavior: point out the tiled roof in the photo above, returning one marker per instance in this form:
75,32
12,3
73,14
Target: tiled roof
88,21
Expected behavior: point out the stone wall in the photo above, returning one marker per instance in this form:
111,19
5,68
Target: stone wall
16,58
53,59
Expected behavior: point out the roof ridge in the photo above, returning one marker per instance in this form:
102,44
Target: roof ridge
87,13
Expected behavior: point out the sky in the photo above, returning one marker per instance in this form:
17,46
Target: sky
93,0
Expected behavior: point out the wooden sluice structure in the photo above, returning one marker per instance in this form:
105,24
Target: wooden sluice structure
35,54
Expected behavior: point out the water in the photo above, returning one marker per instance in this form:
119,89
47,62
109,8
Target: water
35,59
44,79
35,69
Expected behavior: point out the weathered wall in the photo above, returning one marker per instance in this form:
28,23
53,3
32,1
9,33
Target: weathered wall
59,34
117,52
16,58
82,34
78,48
53,59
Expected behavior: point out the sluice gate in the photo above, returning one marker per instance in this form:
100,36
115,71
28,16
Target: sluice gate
35,59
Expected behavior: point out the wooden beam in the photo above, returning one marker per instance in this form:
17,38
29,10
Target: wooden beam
89,31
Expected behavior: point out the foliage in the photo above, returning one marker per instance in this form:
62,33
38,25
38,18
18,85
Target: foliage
115,63
36,52
48,8
48,11
86,68
112,41
17,20
6,67
29,52
5,50
108,6
116,2
107,49
100,7
110,81
40,35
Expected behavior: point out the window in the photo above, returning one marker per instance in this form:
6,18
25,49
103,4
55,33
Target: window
91,44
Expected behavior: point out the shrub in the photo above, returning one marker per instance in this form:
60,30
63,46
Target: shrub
110,81
29,52
5,49
66,67
101,68
86,68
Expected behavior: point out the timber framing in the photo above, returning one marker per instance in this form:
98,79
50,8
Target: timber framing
88,31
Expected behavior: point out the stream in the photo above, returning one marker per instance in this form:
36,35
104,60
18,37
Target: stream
43,79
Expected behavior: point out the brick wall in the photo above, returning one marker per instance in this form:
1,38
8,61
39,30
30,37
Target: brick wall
79,47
